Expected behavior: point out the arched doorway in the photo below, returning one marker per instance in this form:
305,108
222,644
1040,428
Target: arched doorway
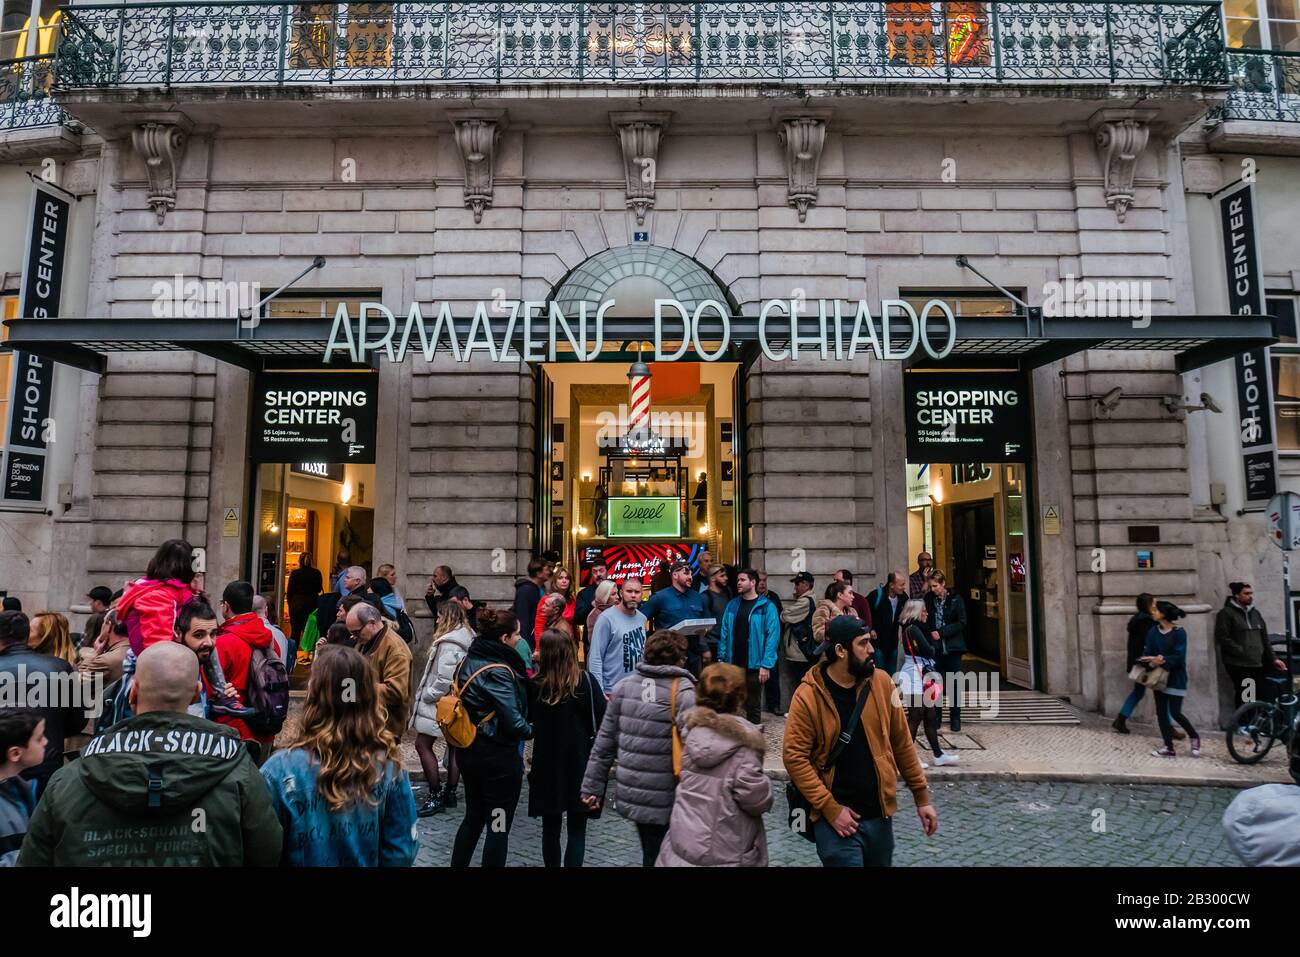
686,469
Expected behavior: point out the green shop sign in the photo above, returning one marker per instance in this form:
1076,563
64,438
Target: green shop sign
645,517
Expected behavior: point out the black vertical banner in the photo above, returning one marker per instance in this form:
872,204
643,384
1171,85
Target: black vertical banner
33,376
1254,376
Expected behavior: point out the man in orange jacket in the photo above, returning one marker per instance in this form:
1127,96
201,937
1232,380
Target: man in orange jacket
853,800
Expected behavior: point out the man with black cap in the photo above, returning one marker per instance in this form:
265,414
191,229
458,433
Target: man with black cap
677,603
796,624
100,598
843,714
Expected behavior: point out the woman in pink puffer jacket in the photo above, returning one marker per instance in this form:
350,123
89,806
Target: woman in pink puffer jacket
717,818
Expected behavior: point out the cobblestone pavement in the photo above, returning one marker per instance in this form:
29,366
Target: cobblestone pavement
981,823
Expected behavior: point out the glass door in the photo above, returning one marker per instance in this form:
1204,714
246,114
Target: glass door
1016,585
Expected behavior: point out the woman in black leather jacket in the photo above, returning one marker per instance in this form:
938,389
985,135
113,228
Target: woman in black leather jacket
493,766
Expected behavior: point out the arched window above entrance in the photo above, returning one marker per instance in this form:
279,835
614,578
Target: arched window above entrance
635,276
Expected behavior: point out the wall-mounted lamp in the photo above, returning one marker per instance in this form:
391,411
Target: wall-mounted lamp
346,495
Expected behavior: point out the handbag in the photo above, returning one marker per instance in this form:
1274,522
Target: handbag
1156,678
677,738
799,818
592,691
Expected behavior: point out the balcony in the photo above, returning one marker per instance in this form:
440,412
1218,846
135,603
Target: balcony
32,124
1262,111
1265,85
277,43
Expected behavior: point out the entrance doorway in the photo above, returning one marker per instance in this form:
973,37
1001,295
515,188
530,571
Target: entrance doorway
971,518
638,498
321,510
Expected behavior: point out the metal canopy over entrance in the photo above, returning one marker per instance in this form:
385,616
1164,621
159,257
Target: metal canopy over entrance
1004,341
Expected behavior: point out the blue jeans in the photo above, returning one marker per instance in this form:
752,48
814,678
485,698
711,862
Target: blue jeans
1134,697
872,845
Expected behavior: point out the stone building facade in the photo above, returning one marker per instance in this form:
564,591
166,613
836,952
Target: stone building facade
845,190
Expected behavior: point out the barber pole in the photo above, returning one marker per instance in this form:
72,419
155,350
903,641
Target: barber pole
638,422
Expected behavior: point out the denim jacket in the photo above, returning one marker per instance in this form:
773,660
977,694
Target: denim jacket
364,835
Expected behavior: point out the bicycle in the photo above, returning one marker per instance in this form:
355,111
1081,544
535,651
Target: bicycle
1256,725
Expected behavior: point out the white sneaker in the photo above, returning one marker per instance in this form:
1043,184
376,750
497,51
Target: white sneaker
924,765
943,759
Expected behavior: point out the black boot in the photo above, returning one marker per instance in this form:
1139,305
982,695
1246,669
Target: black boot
1120,724
430,806
448,796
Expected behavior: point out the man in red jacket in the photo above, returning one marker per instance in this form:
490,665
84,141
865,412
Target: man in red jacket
241,632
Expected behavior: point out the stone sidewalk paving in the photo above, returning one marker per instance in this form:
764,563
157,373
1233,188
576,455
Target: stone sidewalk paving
1090,751
1086,752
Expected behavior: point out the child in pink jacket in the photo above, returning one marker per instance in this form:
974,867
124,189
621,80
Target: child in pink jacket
149,607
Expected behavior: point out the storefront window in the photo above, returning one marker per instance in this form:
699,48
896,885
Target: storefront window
1286,374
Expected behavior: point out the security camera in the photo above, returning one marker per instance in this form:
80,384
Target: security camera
1174,405
1110,401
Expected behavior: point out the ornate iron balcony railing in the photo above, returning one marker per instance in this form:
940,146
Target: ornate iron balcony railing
1265,85
709,41
25,101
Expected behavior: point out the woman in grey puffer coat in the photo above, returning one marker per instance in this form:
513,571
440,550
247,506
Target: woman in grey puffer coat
638,731
718,813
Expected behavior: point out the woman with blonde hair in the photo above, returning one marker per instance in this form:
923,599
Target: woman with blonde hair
605,597
339,791
919,682
717,818
558,605
567,708
451,639
50,635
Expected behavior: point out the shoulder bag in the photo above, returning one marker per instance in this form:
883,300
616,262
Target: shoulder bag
799,818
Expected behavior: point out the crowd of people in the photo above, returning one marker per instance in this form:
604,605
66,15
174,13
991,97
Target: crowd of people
664,695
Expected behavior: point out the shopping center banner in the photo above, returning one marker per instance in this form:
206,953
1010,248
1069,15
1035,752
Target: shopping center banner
316,417
33,376
1254,377
955,417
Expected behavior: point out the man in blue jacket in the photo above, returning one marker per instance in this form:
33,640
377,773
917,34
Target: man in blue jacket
680,602
751,632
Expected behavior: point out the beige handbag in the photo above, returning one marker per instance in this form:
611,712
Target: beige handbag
1157,678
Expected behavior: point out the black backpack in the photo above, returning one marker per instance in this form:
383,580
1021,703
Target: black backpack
404,628
268,692
802,633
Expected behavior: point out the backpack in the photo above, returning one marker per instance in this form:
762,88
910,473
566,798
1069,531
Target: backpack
268,692
405,629
114,706
802,633
452,715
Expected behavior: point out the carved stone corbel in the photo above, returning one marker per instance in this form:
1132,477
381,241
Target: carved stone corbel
1120,137
161,142
803,135
638,136
478,132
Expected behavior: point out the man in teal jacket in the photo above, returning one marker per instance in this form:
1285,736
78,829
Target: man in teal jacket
751,633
